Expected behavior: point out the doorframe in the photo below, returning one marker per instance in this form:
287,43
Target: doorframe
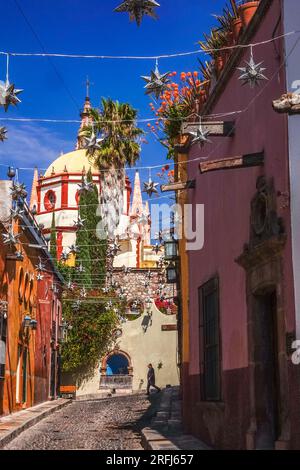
263,265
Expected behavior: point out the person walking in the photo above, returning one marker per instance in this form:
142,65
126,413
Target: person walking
151,379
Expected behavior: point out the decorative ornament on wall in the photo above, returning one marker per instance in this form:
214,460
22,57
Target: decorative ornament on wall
156,83
8,92
3,132
252,73
137,9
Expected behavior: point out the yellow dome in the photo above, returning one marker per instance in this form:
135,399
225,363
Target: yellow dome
75,162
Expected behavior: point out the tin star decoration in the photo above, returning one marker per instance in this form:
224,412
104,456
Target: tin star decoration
85,186
156,83
10,238
79,223
73,249
93,143
64,256
8,94
200,136
83,292
114,249
252,73
19,254
126,270
40,266
16,213
39,277
109,305
144,219
138,8
156,248
80,268
18,190
150,188
3,132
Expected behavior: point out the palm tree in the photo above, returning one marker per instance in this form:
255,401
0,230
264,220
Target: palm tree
117,123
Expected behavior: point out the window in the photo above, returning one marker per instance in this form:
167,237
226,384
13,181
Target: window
210,361
49,200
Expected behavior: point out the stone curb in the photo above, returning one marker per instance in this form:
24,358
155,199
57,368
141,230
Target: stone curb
31,421
165,431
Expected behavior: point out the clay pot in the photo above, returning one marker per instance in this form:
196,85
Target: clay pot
237,27
219,64
247,11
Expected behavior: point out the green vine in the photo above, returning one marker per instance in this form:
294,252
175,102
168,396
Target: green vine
90,329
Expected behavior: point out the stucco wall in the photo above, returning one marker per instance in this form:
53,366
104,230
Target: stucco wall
153,345
291,23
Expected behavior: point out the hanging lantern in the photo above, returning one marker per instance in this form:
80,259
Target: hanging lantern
171,273
40,266
150,188
11,172
200,136
39,277
171,249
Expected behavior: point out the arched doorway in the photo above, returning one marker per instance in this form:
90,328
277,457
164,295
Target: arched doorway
117,364
116,371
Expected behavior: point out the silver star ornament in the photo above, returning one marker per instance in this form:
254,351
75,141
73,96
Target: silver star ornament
150,188
252,73
200,136
9,94
92,143
137,9
156,83
10,238
85,186
79,223
18,190
3,132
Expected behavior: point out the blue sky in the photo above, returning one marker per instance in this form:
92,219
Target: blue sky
55,88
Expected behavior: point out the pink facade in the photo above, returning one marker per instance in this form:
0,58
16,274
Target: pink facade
233,421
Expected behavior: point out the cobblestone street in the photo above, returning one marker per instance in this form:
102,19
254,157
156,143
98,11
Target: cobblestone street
107,424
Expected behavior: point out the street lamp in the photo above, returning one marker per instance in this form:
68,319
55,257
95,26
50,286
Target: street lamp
33,324
26,321
171,273
171,249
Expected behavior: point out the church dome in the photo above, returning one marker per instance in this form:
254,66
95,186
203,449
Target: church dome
74,162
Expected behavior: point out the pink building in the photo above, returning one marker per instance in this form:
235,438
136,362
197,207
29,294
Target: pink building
242,389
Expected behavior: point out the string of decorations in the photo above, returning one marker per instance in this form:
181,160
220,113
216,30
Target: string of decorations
152,57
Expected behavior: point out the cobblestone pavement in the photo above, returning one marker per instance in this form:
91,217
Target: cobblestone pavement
107,424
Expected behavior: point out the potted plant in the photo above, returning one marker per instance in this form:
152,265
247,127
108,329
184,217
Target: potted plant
236,23
247,10
212,45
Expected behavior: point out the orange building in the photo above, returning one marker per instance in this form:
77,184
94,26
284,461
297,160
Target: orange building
30,309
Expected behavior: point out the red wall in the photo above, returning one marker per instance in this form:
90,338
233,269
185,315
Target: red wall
227,196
